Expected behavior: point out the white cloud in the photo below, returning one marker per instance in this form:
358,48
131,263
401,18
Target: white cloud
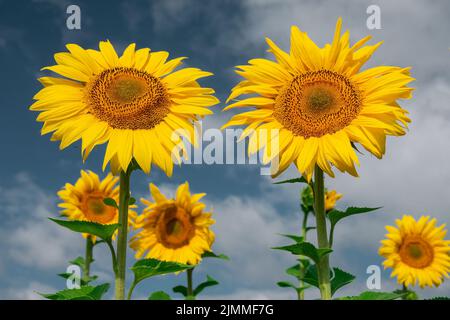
29,237
29,292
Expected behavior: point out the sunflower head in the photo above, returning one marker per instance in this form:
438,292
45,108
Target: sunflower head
316,103
417,251
84,201
136,103
173,229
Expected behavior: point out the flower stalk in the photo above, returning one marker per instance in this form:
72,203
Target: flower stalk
88,258
122,239
301,293
190,292
323,267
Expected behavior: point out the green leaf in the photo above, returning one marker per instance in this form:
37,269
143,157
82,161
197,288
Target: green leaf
110,202
210,254
131,201
83,282
294,237
335,215
147,268
338,278
286,284
208,283
159,295
306,249
84,293
294,271
374,295
79,261
180,289
104,231
295,180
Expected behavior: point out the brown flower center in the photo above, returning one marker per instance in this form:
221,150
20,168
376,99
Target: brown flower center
127,98
175,228
416,252
95,210
317,103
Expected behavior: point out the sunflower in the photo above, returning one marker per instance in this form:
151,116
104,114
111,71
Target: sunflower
417,251
84,200
331,197
174,229
316,103
136,103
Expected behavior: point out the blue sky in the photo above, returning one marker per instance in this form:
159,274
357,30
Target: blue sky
250,211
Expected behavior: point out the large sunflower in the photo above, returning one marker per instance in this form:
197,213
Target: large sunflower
174,229
136,103
319,103
83,201
417,251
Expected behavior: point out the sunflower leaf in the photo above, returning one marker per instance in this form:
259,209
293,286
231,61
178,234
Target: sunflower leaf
210,254
79,261
159,295
110,202
374,295
83,282
147,268
131,201
208,283
295,180
306,249
286,284
104,231
181,290
294,237
338,278
83,293
335,215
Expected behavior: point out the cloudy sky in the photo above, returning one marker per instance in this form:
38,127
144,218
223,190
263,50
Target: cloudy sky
250,211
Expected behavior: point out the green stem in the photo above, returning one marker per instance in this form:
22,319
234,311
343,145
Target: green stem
330,242
190,292
113,255
122,239
323,268
301,294
88,258
130,291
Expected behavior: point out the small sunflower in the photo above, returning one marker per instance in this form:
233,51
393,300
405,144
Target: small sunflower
316,103
136,103
417,251
331,197
174,229
84,200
